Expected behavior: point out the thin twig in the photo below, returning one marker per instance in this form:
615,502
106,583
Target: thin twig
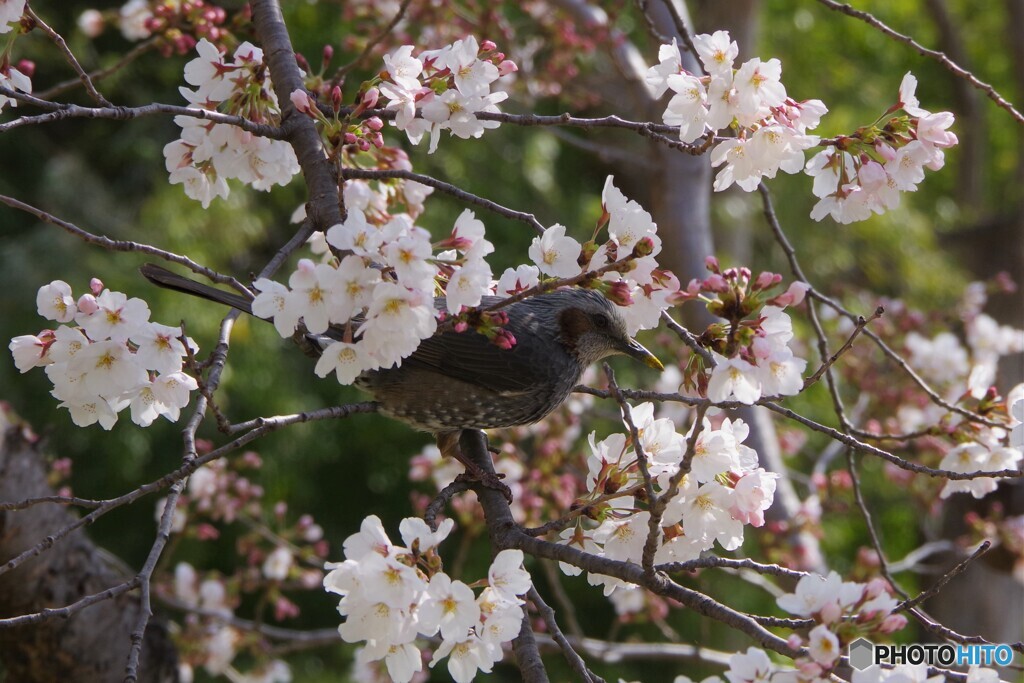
447,188
124,245
876,542
653,522
343,70
63,111
862,322
960,568
573,658
99,74
941,57
69,56
787,248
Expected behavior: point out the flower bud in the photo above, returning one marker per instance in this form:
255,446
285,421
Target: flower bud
644,247
893,623
336,97
793,296
374,123
715,283
369,99
487,46
301,102
90,23
507,67
504,340
711,263
618,293
327,54
766,279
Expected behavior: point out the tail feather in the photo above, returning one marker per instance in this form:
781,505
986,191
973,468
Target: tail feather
161,277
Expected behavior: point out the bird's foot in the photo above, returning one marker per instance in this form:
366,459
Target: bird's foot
491,480
448,443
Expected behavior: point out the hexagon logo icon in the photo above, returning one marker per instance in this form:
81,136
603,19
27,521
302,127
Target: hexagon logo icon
862,654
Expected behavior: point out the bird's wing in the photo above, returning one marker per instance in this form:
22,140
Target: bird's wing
472,358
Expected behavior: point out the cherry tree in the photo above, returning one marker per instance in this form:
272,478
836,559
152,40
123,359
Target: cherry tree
643,490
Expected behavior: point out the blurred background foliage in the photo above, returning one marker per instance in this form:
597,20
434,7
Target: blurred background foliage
109,178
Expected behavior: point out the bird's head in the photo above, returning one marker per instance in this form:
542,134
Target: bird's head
592,328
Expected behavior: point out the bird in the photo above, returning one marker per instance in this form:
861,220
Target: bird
460,380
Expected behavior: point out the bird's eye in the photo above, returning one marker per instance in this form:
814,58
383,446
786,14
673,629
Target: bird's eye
601,321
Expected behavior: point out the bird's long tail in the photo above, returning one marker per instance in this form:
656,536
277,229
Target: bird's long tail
161,277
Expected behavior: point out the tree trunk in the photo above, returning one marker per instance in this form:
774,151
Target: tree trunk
90,645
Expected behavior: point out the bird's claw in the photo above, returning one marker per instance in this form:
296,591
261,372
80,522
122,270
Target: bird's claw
491,480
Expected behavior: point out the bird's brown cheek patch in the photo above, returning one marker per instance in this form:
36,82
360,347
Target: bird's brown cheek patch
574,323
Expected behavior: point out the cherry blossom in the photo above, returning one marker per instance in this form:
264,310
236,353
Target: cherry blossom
10,14
555,253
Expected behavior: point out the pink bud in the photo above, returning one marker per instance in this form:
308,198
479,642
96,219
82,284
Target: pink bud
280,508
831,612
618,293
370,97
374,123
893,623
793,296
377,140
336,97
306,266
27,67
487,46
87,304
507,67
711,263
876,586
461,326
328,53
504,340
96,286
350,138
715,283
207,532
643,247
795,641
301,102
303,63
363,144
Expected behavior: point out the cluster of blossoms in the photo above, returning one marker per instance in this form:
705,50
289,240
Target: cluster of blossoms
385,313
176,24
639,287
844,612
379,298
113,359
987,449
13,77
966,373
770,127
723,490
751,351
208,154
448,87
276,555
393,594
857,175
865,172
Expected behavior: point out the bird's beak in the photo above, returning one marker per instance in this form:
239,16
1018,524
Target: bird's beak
636,350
